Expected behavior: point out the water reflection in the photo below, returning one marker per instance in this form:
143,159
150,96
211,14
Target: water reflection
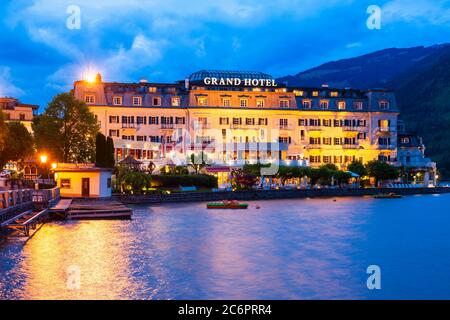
288,249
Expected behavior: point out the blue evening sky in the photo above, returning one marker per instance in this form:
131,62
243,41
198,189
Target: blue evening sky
166,40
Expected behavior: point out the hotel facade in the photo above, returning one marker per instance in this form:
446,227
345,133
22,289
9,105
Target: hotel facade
233,118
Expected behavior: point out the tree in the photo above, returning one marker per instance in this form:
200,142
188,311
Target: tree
100,150
381,171
110,152
240,180
358,168
66,130
137,182
3,132
18,143
198,162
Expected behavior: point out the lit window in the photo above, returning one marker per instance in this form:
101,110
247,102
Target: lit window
384,104
260,103
226,102
405,140
89,98
358,105
137,101
299,93
284,103
243,102
334,94
175,102
306,104
202,101
341,105
65,184
152,89
156,101
117,100
315,93
324,104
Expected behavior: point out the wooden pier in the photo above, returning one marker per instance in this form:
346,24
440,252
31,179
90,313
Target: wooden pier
91,209
22,223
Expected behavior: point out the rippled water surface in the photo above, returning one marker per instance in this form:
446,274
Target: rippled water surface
287,249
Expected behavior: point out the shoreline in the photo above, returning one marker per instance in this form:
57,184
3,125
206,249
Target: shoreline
271,194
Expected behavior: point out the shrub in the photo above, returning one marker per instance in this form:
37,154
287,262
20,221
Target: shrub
174,181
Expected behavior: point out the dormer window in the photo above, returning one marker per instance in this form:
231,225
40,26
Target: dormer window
243,103
117,100
358,105
341,105
152,89
260,103
384,104
156,101
315,93
284,103
334,94
306,104
137,101
89,99
175,102
324,104
202,101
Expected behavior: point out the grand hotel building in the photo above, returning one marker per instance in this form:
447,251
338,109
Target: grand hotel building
243,117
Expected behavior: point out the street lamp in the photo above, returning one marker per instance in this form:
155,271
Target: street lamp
43,158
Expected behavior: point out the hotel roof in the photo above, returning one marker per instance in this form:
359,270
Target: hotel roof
202,74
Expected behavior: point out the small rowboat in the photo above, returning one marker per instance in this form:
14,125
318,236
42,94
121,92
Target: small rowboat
226,205
387,196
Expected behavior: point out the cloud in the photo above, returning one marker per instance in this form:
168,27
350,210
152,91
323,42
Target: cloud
7,88
435,12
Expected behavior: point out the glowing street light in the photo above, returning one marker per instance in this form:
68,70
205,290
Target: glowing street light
43,158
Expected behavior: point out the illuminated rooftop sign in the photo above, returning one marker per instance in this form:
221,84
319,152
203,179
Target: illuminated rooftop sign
212,81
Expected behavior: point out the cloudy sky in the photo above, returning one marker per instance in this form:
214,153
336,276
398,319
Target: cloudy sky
166,40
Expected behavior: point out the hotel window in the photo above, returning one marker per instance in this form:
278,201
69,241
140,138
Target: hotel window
404,140
128,138
314,159
141,120
341,105
21,117
256,90
384,125
284,139
299,93
89,99
175,102
137,101
153,120
337,123
306,104
156,101
326,159
302,122
302,135
337,141
314,122
324,104
384,141
284,103
260,103
314,140
243,103
113,119
262,121
226,102
384,158
280,90
65,184
179,120
283,123
117,100
250,121
114,133
237,121
315,93
337,159
358,105
361,123
362,135
327,141
141,138
202,101
326,122
223,121
334,94
152,89
384,104
155,139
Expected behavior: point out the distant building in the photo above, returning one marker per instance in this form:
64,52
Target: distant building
17,111
83,180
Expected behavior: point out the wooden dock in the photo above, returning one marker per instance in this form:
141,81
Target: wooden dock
22,223
98,209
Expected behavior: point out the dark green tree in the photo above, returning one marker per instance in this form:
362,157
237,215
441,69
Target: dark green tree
100,150
381,171
3,131
358,168
66,130
18,143
110,159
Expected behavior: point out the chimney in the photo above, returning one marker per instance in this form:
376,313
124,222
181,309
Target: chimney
98,78
186,83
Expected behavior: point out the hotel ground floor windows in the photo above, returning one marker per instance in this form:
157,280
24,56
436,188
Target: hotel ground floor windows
314,159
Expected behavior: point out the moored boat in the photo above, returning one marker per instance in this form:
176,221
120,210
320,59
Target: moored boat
226,205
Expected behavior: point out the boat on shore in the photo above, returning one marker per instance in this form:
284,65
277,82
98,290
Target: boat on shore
226,205
390,195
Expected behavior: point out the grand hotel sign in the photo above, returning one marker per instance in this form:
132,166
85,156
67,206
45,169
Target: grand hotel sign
211,81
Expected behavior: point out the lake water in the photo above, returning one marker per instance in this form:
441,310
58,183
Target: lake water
287,249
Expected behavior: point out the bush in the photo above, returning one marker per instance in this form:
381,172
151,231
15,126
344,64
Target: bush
174,181
136,182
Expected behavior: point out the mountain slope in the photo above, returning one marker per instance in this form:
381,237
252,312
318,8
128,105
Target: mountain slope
366,71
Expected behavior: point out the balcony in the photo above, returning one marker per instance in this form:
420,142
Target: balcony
350,146
314,128
285,127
